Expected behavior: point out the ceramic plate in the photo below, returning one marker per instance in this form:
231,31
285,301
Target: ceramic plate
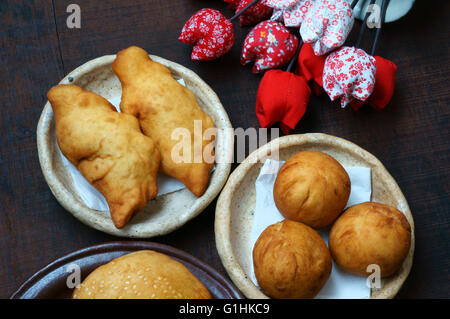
235,206
50,282
166,212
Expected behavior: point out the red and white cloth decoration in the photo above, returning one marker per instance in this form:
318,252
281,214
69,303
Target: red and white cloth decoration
210,33
349,73
384,85
311,67
327,24
270,45
252,15
291,12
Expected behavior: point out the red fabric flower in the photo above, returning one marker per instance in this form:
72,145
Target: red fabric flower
384,85
210,33
339,80
252,15
311,67
282,97
291,12
270,45
324,35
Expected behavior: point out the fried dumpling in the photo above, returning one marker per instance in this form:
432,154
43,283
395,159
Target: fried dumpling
163,106
108,148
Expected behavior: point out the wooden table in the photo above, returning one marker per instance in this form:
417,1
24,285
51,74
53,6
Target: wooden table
411,136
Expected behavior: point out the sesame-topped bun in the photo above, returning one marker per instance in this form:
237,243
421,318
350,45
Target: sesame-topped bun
145,274
311,188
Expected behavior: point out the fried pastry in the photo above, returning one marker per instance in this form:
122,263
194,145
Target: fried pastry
165,107
311,188
370,234
108,148
291,261
144,274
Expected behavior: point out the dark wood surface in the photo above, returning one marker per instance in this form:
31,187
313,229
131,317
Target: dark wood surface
411,136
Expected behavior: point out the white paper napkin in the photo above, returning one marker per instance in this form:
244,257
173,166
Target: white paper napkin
340,284
92,197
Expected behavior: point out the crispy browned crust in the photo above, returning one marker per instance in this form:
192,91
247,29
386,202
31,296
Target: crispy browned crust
291,260
312,188
108,148
164,106
370,233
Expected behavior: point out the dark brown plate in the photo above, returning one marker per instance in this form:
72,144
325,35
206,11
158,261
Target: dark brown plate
50,281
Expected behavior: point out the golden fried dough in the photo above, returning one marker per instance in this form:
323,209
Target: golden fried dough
108,149
291,261
370,233
312,188
145,274
162,106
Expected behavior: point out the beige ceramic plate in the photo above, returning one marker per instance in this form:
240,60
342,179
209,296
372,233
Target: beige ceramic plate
235,206
166,212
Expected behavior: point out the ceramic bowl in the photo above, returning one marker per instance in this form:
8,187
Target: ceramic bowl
51,281
166,212
236,203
